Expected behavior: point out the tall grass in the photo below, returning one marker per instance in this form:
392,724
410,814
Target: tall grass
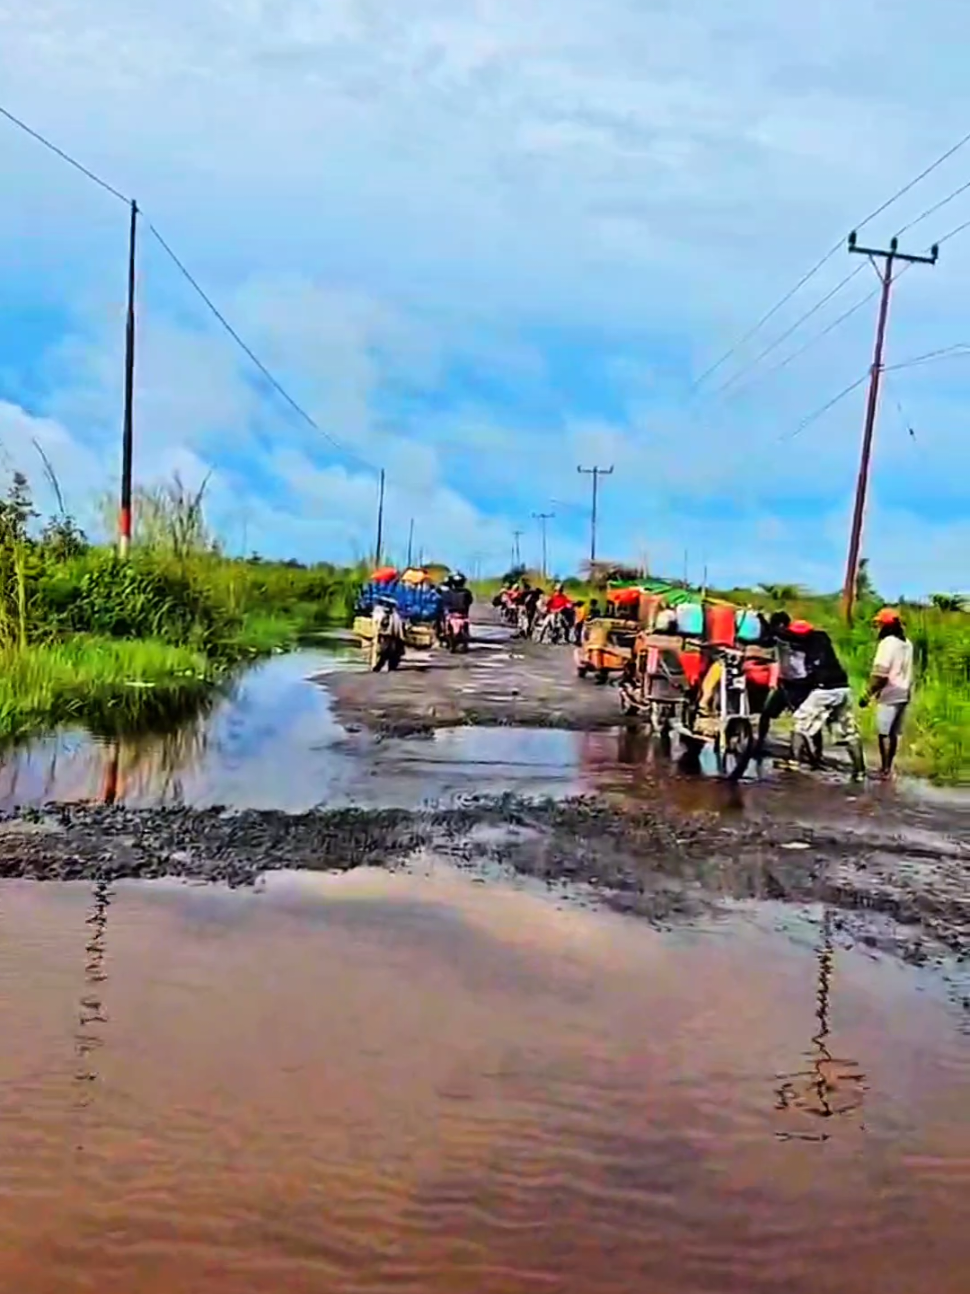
109,686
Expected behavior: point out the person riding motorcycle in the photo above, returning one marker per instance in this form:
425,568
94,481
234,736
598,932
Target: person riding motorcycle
456,596
559,604
456,600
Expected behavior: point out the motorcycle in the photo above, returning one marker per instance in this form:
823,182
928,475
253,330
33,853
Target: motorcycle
456,636
552,628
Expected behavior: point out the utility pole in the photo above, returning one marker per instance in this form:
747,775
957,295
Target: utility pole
542,518
127,435
517,535
380,523
889,259
410,540
595,473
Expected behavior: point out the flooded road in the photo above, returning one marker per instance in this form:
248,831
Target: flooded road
382,1082
274,743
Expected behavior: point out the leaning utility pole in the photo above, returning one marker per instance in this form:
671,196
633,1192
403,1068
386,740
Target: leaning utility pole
380,523
542,518
127,435
886,276
595,473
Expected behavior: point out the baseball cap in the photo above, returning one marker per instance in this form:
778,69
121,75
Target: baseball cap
886,616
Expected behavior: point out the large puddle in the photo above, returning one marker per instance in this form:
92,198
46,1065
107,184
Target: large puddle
274,743
378,1083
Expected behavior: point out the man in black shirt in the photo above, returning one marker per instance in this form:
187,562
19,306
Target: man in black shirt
829,700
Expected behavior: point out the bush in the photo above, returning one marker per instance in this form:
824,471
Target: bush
138,598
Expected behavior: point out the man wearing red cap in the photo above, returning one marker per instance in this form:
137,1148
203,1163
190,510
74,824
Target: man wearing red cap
891,684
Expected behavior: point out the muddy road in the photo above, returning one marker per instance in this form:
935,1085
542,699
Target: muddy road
501,681
306,767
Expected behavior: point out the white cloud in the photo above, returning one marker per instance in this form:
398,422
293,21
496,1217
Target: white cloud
398,205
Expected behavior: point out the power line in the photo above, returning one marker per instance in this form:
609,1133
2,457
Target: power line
66,157
817,337
812,341
829,404
836,247
788,332
247,350
193,282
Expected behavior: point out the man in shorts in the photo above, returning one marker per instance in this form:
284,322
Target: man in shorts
828,703
890,685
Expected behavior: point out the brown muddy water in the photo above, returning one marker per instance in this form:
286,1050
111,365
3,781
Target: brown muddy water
409,1082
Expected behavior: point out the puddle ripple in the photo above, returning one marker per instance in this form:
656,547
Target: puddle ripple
412,1083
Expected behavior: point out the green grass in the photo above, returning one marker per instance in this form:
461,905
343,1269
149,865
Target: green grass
119,646
107,685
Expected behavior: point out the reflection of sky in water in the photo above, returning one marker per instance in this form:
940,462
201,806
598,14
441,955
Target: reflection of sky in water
275,744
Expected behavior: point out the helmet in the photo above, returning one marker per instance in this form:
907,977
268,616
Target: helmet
800,627
458,578
886,616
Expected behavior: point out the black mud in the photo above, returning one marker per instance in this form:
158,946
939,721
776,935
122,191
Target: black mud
889,891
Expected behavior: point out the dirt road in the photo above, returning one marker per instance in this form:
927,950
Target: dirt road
500,681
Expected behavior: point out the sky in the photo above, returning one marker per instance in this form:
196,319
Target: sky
482,243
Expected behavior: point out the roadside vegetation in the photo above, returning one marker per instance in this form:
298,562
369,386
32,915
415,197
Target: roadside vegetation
86,637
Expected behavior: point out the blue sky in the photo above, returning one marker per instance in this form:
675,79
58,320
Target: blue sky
483,242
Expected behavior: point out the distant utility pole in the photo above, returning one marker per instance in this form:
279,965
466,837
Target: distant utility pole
517,535
127,435
380,523
410,540
595,473
542,518
888,258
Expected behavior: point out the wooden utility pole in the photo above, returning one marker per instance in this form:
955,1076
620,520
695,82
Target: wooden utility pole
516,555
410,540
542,518
127,435
889,259
595,473
380,523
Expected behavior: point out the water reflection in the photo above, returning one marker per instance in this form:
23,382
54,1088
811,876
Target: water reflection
477,1108
92,1015
832,1086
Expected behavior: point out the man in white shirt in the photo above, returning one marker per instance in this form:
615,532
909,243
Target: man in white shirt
891,684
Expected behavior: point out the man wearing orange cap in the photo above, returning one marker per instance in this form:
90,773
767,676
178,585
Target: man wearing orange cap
891,684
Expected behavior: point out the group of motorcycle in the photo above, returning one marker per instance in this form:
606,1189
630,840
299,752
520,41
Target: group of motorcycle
531,614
